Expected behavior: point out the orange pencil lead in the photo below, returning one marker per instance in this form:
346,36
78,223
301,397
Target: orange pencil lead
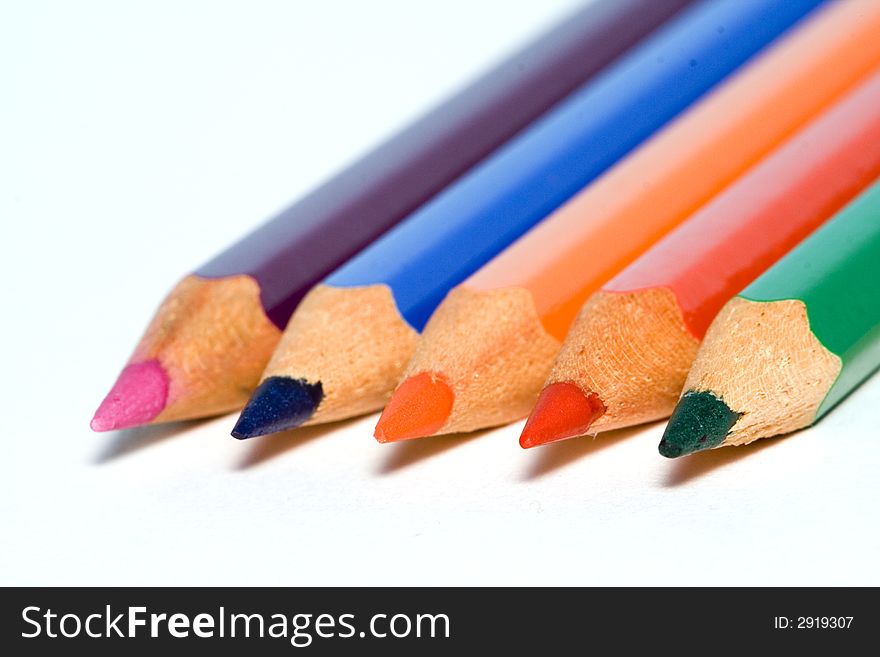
419,407
563,411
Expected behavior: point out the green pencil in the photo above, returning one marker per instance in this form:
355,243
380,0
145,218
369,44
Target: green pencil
793,344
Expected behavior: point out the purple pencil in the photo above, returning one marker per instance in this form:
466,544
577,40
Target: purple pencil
209,341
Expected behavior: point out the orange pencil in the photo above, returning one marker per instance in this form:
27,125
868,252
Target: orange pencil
628,353
489,347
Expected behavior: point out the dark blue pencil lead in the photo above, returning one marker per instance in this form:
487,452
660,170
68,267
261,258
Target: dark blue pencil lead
278,403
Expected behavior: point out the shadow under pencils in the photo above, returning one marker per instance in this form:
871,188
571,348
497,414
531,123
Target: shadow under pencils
554,456
408,452
265,448
129,441
696,465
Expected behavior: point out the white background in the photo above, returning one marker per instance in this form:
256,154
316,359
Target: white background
136,141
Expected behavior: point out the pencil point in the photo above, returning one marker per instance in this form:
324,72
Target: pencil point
700,421
137,397
278,403
562,411
419,407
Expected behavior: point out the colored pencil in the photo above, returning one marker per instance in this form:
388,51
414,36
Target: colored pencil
346,346
488,349
793,344
627,355
212,337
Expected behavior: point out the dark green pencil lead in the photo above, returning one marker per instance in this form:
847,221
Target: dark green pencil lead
700,421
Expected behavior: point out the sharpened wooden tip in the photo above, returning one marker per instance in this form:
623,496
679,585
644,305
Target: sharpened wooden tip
211,339
419,407
492,350
763,360
351,340
563,411
633,351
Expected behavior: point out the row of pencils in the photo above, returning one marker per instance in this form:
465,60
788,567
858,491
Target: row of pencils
656,209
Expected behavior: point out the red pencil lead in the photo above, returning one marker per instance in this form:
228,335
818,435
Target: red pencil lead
563,411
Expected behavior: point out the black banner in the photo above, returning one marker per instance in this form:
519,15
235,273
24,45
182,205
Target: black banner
432,621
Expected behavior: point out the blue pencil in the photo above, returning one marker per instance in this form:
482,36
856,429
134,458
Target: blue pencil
349,340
